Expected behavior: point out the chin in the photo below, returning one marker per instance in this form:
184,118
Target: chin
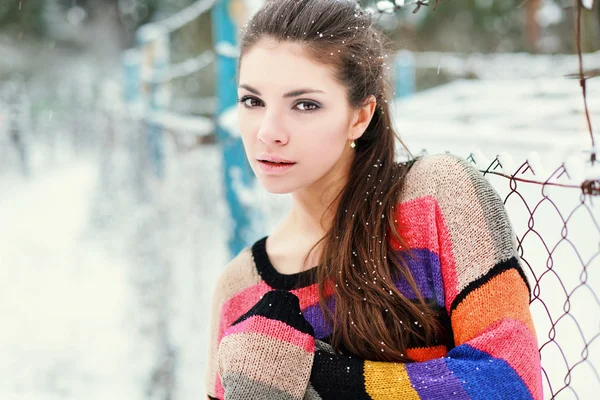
275,188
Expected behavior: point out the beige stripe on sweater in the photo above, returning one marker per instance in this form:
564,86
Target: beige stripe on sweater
238,275
270,361
455,184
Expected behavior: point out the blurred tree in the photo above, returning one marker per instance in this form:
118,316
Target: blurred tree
532,26
491,26
25,15
57,19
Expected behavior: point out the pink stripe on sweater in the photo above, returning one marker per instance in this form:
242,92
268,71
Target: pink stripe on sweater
422,226
275,329
416,224
235,307
309,295
499,341
240,303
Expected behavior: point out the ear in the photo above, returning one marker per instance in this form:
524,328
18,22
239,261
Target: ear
362,117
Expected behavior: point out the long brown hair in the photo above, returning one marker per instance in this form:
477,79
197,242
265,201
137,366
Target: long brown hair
372,318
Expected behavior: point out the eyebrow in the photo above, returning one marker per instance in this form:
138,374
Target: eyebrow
293,93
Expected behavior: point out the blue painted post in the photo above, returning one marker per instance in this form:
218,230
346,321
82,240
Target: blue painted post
236,168
132,98
130,62
154,44
405,80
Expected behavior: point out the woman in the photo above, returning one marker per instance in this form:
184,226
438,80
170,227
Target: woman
385,280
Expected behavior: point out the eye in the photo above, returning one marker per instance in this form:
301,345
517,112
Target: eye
249,101
307,106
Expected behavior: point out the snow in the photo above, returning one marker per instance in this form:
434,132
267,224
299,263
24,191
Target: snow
544,115
228,120
385,6
190,66
549,13
589,4
199,126
62,296
505,66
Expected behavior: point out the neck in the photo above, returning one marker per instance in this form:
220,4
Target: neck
314,207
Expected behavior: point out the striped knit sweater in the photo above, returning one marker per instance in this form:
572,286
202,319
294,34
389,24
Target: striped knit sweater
269,338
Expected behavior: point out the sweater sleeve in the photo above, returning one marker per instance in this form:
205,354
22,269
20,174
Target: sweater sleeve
487,298
268,352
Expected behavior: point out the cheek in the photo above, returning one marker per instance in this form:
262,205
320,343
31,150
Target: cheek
326,137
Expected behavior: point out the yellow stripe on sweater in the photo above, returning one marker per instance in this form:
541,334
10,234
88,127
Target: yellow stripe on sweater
388,381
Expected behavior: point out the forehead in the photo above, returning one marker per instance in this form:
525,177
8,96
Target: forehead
283,65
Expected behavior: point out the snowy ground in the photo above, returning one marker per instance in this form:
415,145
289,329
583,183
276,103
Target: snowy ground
65,303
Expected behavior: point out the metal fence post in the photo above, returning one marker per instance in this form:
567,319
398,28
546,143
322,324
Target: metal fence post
153,41
237,171
405,74
132,98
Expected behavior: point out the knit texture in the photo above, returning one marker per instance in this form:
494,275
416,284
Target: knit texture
268,352
269,338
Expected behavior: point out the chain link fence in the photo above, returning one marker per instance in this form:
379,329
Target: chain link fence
556,218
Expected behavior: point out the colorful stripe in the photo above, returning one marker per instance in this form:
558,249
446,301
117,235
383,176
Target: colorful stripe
473,315
388,381
486,377
272,336
435,380
264,326
425,269
498,341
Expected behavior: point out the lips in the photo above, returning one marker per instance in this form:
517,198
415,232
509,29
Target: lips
271,158
272,168
277,163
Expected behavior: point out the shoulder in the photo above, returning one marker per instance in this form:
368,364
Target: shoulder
239,274
468,207
440,175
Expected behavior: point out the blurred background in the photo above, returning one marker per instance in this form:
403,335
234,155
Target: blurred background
124,189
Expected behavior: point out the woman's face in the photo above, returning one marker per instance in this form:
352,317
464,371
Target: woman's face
292,108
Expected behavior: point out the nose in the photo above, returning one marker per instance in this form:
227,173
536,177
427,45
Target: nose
272,129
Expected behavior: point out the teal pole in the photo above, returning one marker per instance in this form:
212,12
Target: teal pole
405,80
154,44
131,62
235,164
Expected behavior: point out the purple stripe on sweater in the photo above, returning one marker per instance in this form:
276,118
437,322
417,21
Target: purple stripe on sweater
434,381
314,316
425,267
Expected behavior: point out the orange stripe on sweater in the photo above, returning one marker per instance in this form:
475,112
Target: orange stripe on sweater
503,296
421,354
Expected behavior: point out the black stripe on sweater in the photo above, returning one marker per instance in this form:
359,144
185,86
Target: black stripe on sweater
336,377
499,268
280,305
